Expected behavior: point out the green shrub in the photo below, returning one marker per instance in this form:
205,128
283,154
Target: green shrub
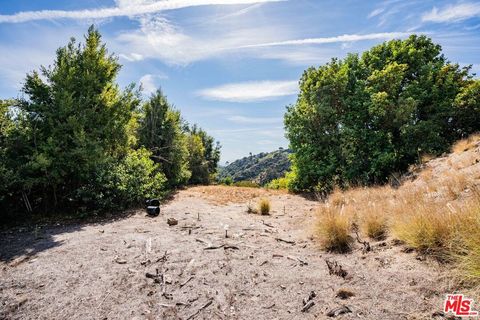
246,184
228,181
277,184
117,185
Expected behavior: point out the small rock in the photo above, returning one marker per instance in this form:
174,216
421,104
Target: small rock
172,221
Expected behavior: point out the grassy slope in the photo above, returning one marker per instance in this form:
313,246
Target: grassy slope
436,211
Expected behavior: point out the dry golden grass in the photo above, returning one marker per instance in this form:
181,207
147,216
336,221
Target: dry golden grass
375,226
466,144
334,231
264,206
230,194
437,214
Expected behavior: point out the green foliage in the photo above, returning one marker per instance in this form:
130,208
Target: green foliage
204,155
277,184
76,142
161,131
228,181
246,184
72,122
358,120
118,185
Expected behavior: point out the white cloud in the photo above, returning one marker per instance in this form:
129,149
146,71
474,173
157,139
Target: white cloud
149,82
131,56
158,38
453,13
250,91
376,12
342,38
124,8
256,120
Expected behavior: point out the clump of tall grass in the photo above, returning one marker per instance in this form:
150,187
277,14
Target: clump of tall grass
375,226
333,229
264,206
466,144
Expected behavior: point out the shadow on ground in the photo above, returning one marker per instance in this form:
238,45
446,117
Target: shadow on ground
29,239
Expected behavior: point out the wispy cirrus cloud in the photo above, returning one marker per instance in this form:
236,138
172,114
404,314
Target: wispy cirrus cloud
453,13
336,39
250,91
159,38
123,8
376,12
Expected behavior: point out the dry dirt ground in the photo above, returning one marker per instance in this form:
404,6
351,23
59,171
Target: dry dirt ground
263,270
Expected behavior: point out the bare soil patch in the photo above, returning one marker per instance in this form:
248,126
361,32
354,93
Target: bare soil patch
267,268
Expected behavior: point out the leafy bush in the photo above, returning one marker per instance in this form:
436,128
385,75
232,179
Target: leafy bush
277,184
228,181
123,184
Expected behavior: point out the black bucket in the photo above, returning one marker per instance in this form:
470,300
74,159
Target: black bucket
153,211
152,203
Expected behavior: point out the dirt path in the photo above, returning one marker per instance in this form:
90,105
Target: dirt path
98,271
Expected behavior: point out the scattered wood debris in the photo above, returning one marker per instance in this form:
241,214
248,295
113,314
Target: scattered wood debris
185,282
308,302
120,261
335,268
206,305
157,277
338,311
214,247
366,245
267,224
286,241
302,262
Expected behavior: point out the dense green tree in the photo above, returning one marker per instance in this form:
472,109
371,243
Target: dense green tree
196,160
6,126
211,151
72,121
76,142
161,131
358,120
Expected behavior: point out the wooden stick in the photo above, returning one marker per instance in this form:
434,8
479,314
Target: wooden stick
186,281
206,305
286,241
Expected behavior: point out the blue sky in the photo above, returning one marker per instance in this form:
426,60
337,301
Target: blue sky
230,66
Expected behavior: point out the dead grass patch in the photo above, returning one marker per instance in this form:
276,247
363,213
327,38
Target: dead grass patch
223,195
466,144
436,214
333,229
264,206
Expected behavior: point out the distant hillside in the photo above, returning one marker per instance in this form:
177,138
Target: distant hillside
261,168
